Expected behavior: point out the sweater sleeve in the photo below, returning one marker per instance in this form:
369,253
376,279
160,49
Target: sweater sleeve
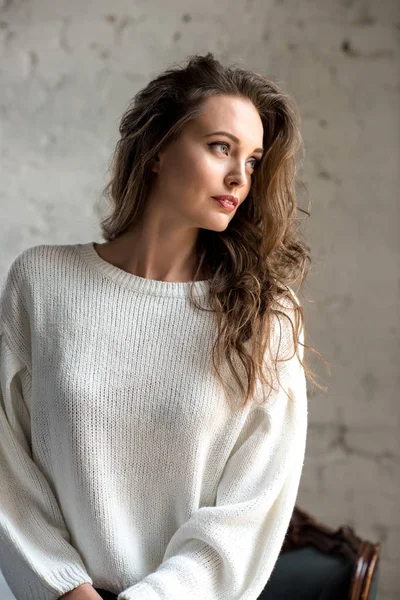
228,551
36,557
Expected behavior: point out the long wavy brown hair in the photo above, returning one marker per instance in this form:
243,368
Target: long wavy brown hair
256,260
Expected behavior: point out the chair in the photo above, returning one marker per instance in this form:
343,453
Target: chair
105,594
319,563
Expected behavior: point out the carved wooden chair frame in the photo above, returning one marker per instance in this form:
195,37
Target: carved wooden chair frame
304,530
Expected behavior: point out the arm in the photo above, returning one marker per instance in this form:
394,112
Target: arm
228,551
83,592
36,556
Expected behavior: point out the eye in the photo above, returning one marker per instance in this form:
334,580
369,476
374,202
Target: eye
220,144
256,161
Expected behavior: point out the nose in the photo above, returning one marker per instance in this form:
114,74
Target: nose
236,177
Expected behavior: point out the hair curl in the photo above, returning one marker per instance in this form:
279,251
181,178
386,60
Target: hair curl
261,253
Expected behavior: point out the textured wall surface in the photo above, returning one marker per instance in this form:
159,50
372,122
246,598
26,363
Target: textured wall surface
67,72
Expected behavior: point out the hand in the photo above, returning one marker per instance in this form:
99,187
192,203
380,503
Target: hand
83,592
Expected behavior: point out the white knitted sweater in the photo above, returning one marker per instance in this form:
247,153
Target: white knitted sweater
122,461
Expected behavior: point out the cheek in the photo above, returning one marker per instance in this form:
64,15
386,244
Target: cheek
176,174
194,170
199,171
209,168
184,165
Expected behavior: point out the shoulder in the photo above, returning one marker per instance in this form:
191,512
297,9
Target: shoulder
30,281
286,349
32,256
17,274
287,318
34,262
32,273
287,301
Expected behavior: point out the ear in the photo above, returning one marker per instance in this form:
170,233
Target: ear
155,164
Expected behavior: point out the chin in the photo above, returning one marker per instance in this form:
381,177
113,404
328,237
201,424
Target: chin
216,229
221,225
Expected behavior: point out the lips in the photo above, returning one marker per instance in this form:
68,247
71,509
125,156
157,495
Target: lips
232,199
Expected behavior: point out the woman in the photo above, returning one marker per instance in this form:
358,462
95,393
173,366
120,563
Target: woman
154,406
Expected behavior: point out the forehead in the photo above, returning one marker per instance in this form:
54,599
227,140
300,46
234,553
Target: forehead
236,115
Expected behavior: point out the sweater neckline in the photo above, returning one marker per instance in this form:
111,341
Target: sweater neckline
142,285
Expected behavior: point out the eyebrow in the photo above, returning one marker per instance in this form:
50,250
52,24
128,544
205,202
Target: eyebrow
234,138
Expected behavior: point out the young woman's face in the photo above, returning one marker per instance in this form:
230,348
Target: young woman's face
201,163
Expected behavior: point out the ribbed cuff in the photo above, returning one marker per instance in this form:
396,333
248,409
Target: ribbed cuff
56,584
140,591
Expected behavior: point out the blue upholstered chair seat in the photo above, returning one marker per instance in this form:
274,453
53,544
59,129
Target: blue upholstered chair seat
309,574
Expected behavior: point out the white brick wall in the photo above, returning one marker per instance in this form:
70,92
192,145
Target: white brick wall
67,71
